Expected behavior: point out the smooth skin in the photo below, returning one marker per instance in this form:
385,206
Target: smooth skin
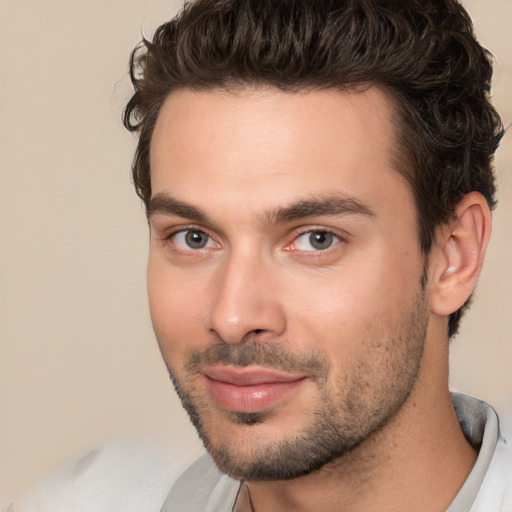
278,220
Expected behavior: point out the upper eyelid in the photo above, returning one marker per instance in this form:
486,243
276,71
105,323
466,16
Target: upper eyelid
342,235
167,233
311,231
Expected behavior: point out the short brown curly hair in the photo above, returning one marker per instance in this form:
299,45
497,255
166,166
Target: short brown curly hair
423,52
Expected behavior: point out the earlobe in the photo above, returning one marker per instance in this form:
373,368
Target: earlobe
461,248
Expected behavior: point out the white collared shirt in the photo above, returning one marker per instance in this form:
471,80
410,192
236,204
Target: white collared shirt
118,480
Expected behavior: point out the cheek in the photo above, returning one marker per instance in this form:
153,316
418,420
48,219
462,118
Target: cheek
176,309
356,303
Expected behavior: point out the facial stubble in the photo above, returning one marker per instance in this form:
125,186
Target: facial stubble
349,411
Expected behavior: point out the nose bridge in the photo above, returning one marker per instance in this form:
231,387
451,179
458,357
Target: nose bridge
245,299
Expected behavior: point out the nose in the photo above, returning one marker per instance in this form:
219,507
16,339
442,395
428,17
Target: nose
246,301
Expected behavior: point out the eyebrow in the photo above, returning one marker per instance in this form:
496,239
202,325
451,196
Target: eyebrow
167,205
335,204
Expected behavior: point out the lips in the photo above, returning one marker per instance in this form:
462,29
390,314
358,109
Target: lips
249,389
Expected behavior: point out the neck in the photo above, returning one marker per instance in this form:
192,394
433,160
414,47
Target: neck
418,461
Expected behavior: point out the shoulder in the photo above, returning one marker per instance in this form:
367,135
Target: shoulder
121,477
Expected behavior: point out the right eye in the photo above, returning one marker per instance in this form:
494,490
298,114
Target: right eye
192,239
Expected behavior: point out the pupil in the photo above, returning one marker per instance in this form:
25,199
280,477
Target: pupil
321,240
195,239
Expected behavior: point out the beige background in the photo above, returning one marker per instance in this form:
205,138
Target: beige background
78,361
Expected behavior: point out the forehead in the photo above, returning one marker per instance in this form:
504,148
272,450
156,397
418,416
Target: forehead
265,145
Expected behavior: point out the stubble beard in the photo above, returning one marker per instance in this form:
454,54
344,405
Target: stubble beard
347,416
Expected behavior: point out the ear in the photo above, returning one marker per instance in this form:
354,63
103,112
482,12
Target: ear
459,254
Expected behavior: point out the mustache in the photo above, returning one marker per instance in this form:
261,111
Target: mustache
264,354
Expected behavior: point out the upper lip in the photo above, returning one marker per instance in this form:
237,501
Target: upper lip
249,375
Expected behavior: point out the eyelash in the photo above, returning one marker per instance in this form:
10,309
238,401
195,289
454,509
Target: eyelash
311,231
184,229
296,236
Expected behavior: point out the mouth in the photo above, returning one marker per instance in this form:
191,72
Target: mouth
250,389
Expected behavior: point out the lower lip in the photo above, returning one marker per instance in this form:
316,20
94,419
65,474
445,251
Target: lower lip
255,398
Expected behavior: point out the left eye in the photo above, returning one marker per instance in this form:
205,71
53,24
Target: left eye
192,239
315,241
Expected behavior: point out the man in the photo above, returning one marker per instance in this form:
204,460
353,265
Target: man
318,181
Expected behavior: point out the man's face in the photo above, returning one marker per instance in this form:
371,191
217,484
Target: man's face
284,273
